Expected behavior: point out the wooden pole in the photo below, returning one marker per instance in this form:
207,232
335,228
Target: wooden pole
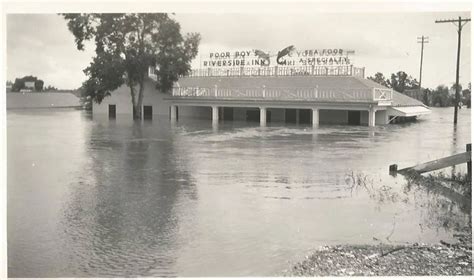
459,25
457,73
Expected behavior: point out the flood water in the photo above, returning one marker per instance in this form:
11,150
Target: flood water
99,198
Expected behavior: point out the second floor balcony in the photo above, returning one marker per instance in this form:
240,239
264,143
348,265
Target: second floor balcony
366,95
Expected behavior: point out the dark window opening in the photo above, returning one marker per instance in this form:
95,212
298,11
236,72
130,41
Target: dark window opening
305,116
290,115
228,114
353,117
112,111
147,112
253,115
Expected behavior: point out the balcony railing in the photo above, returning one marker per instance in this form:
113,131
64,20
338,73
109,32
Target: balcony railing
286,93
346,70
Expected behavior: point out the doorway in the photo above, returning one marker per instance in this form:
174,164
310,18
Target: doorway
112,111
353,117
290,115
305,116
228,113
147,112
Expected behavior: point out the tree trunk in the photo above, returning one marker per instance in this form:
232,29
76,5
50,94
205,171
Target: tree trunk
138,109
137,101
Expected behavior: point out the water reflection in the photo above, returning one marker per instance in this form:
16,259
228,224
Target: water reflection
124,219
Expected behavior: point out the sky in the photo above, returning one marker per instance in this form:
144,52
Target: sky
41,45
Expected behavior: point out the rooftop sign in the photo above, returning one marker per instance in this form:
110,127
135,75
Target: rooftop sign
288,56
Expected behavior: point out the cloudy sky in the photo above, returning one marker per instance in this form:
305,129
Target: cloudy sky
41,45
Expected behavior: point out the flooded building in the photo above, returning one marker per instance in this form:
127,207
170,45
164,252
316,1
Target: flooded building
312,94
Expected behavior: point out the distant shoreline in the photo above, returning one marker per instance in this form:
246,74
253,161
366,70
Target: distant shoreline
44,108
42,100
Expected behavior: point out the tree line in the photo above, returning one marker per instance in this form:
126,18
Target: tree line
441,96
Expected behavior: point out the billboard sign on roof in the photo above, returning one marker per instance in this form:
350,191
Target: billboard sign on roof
288,56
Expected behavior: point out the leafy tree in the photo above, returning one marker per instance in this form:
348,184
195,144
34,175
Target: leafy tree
441,97
453,87
426,97
39,85
18,85
401,81
50,88
126,45
380,79
466,96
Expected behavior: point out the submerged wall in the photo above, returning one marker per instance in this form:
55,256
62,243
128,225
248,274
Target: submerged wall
122,100
151,97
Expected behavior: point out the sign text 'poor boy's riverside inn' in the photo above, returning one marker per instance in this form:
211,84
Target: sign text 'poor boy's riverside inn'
314,86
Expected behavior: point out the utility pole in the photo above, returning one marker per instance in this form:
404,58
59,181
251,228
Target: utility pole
459,25
422,40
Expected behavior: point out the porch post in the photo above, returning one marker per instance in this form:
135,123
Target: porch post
315,117
263,116
173,113
372,116
215,114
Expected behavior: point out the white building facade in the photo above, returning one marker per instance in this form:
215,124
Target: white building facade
336,94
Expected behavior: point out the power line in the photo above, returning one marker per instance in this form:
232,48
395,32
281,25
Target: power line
460,23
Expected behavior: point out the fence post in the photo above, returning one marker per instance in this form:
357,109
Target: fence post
215,90
263,91
469,163
393,169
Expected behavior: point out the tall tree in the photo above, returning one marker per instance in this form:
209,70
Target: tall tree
380,79
126,45
441,97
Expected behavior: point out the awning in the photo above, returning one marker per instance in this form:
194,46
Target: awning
408,111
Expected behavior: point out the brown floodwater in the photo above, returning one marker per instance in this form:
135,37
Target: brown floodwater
100,198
